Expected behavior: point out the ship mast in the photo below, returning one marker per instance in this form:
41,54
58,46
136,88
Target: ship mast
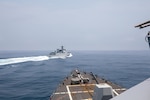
143,25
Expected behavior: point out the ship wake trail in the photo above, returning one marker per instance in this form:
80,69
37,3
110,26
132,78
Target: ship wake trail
22,59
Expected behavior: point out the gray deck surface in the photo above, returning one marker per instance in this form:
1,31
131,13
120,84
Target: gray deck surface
66,91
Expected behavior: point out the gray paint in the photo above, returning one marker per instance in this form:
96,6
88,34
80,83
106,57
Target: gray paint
138,92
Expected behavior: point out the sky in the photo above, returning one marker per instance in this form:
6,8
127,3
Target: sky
76,24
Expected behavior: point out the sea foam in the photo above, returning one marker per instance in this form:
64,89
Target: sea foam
22,59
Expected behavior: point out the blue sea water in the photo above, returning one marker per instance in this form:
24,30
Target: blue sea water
32,75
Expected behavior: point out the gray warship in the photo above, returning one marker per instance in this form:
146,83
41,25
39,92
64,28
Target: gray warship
60,53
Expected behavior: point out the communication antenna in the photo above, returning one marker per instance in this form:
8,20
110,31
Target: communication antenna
143,25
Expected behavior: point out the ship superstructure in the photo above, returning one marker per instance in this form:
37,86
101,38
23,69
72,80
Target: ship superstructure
60,53
143,25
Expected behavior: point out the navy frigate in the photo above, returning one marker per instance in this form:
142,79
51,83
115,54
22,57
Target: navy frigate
60,53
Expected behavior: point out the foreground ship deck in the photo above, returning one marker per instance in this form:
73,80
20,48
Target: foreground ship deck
82,90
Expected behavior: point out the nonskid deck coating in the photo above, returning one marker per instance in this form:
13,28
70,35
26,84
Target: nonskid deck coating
66,91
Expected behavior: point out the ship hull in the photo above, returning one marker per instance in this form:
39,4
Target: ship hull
61,55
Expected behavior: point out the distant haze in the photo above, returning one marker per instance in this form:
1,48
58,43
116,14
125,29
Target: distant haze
76,24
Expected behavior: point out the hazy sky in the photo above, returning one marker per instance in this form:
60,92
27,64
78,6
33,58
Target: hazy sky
76,24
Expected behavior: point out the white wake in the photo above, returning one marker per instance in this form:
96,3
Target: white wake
22,59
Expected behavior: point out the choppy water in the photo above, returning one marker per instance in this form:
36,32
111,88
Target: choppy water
33,76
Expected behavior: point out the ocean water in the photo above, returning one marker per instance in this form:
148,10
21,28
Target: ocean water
31,75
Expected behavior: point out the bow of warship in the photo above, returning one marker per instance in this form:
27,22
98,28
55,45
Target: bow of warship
85,86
